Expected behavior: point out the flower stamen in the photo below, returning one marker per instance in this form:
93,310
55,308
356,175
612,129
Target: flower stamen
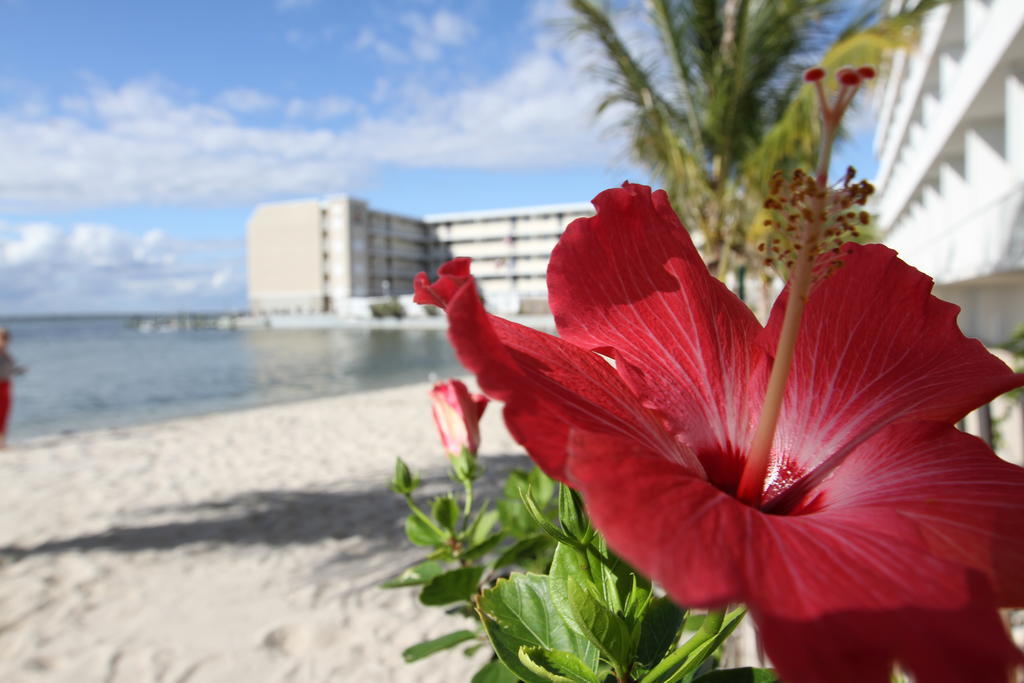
810,212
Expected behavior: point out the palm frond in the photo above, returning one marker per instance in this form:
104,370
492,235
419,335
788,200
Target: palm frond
719,104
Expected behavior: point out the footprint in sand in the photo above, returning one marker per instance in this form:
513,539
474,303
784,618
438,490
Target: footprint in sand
297,640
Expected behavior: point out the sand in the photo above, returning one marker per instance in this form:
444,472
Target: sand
242,546
233,548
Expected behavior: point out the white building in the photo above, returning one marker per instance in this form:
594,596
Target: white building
950,141
337,255
510,250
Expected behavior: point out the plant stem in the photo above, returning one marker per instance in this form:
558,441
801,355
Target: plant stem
751,486
468,503
752,483
422,515
708,630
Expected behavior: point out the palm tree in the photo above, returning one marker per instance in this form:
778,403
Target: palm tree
717,105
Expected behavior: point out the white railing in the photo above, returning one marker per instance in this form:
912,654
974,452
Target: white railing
955,244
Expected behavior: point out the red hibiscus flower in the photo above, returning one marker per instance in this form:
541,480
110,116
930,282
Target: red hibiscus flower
457,416
879,533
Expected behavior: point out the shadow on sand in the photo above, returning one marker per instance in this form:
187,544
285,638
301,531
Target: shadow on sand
279,518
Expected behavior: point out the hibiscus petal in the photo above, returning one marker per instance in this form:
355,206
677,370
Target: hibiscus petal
875,347
951,646
452,276
967,503
547,384
629,279
861,583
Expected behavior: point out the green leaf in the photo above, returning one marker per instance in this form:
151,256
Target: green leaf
603,627
429,647
567,563
688,657
517,479
541,487
458,584
729,623
415,575
556,666
494,672
693,621
540,520
659,630
518,612
481,526
464,466
480,549
744,675
422,532
570,513
446,511
514,518
637,601
523,551
612,577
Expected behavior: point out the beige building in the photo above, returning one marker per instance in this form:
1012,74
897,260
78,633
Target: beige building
337,255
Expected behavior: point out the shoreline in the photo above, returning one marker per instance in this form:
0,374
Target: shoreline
27,441
325,321
240,545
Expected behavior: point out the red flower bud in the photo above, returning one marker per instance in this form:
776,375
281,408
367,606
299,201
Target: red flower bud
457,416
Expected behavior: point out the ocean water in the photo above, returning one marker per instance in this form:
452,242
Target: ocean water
88,373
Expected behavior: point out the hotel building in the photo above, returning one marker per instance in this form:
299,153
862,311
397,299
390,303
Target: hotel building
950,140
338,255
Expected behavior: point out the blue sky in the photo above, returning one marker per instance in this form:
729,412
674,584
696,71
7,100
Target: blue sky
137,136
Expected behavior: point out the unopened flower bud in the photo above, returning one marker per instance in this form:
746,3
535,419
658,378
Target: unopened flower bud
403,482
457,416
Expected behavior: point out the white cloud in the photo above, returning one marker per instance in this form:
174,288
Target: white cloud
90,267
246,100
146,142
539,113
322,109
451,29
36,241
369,40
427,36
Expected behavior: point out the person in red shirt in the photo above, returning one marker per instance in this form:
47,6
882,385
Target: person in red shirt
8,370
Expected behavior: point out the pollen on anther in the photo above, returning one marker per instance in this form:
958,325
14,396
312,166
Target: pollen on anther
814,74
866,72
848,76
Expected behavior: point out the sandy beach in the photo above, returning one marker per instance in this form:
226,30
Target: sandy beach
242,546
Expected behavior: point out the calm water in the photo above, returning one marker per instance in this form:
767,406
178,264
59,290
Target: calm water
98,372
